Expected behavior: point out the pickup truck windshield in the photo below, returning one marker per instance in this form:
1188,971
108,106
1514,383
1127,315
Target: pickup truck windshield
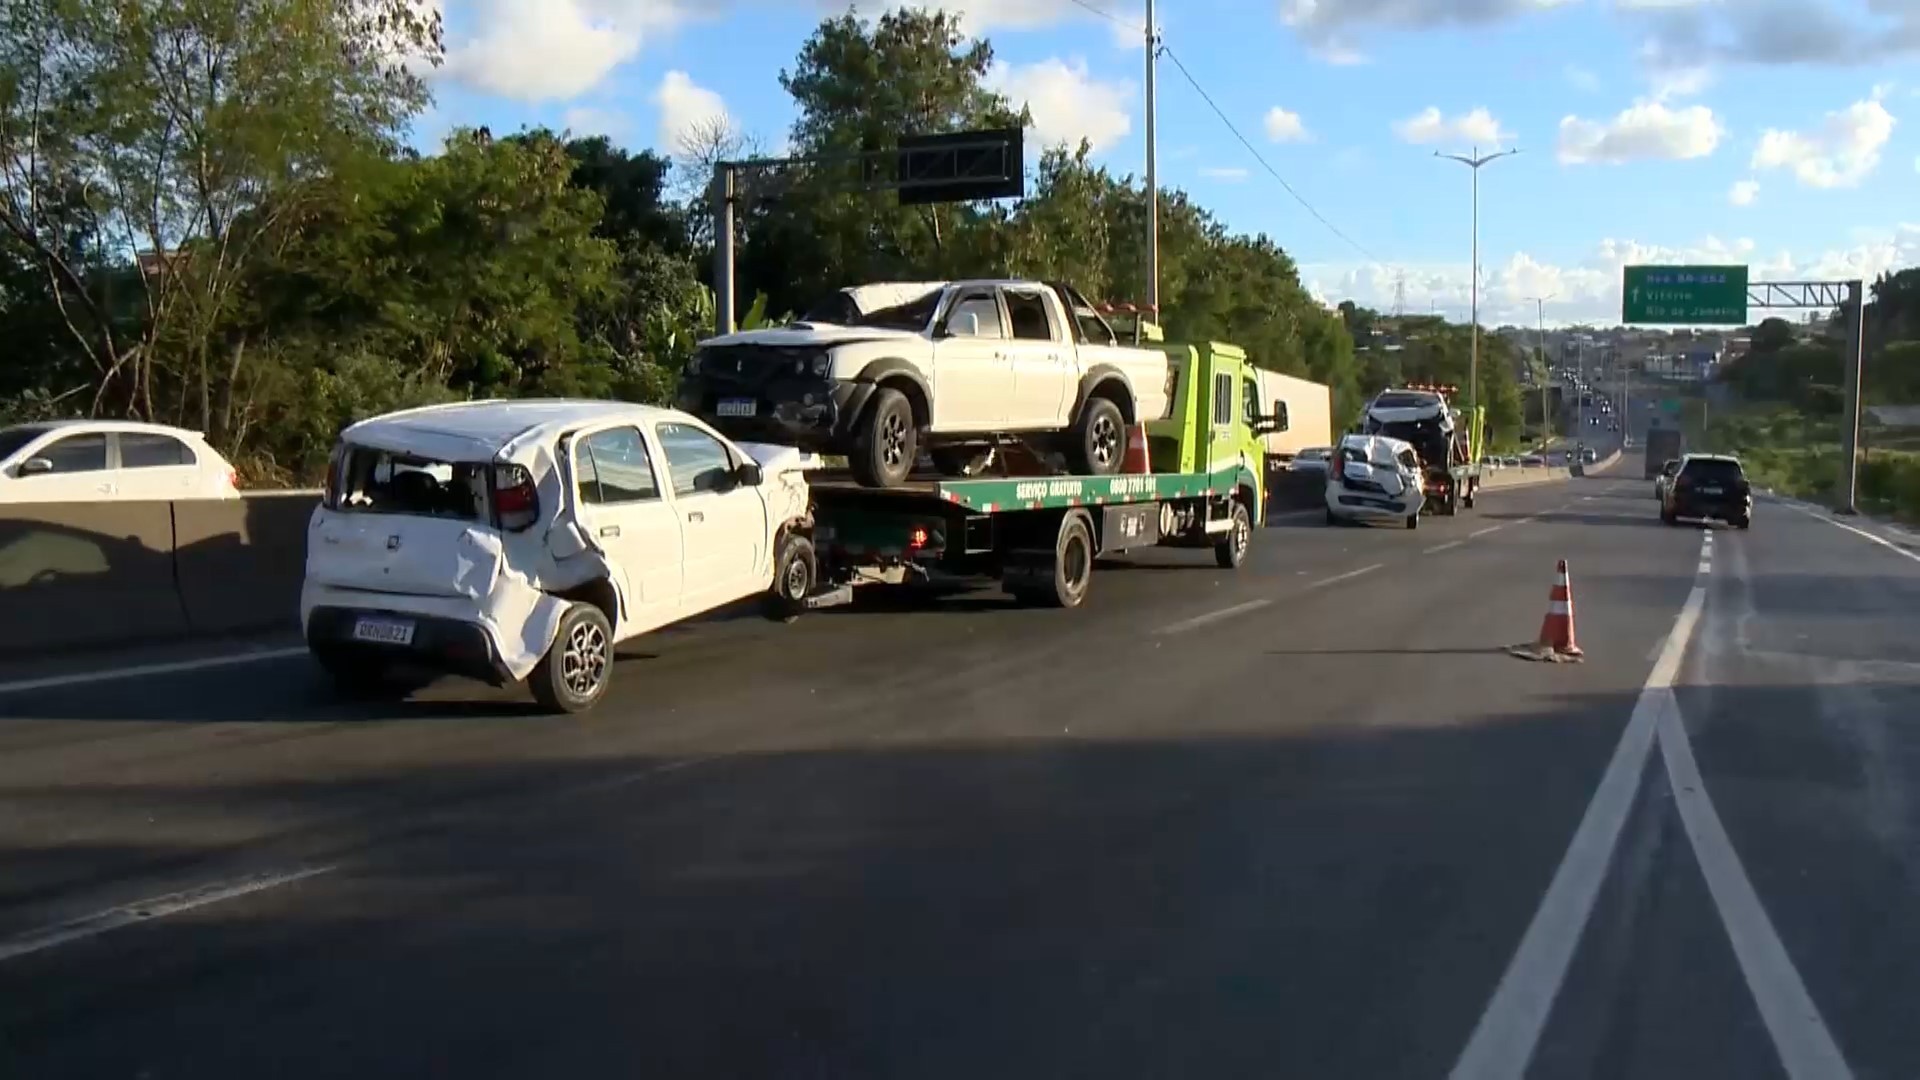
838,310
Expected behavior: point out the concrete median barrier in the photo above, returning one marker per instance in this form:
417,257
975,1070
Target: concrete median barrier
78,574
238,562
1513,478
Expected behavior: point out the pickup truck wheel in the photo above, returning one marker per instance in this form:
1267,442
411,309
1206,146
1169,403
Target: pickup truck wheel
888,442
1231,550
574,674
1099,438
794,573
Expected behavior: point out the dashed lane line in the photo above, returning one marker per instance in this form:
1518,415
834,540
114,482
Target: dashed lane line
1212,617
204,663
1438,548
140,911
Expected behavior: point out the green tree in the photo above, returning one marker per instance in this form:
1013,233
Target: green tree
192,131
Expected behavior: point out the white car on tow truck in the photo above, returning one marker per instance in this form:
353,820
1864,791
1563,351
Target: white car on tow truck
522,540
1375,478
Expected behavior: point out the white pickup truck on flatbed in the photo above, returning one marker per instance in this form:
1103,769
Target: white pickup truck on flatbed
879,372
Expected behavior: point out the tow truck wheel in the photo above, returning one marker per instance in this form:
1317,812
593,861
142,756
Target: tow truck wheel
1413,521
794,572
1231,550
1468,501
1072,568
888,442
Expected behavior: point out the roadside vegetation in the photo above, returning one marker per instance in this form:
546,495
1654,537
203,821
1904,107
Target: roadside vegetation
212,215
1787,396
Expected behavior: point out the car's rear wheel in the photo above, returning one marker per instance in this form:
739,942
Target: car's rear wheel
1413,521
794,572
888,442
574,674
1099,438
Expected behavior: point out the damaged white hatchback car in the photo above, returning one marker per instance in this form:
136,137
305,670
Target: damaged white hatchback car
1374,478
512,540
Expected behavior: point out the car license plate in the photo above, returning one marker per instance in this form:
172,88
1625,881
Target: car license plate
1709,491
736,407
384,631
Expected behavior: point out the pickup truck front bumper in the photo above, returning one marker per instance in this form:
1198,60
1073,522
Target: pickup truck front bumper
812,413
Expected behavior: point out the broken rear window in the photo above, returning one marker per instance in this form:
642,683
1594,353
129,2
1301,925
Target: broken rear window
380,482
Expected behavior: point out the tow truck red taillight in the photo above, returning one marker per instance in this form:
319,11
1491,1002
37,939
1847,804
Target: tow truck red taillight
917,538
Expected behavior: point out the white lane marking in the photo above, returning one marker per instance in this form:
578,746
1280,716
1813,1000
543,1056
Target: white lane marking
1212,617
1881,540
1348,576
146,911
173,667
1485,531
1806,1047
1706,567
1437,548
1503,1041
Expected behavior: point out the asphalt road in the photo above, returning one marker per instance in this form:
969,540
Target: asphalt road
1307,819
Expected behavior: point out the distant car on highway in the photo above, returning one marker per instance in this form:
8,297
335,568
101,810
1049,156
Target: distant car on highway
1311,459
1588,455
1709,487
523,540
1666,477
69,461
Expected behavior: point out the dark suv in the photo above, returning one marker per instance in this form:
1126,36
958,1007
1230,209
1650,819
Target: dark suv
1709,487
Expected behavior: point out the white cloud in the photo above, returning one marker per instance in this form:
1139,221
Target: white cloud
1645,131
685,109
1588,291
551,50
1744,192
1229,173
1841,153
1478,128
1582,79
977,17
1680,82
1284,125
1068,103
1331,26
1833,32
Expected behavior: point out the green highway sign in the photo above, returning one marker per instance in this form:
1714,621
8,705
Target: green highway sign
1684,295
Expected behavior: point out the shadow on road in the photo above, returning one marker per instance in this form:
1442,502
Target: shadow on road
1124,902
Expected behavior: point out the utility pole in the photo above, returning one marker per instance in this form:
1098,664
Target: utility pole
1474,162
1850,412
1153,172
1540,353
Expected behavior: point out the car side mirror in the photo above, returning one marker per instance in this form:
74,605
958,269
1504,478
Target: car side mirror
748,474
35,466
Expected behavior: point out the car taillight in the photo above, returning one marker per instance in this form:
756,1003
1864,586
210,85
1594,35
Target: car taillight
516,503
1338,466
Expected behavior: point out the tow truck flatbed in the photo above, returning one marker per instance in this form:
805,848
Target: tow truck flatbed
989,495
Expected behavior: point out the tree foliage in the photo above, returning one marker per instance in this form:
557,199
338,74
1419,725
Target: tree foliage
208,217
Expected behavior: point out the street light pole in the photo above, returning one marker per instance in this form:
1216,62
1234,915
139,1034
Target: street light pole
1474,161
1540,349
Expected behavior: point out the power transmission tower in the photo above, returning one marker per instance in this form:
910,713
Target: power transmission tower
1399,295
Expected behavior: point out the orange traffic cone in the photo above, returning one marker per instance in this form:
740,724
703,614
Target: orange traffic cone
1556,642
1136,460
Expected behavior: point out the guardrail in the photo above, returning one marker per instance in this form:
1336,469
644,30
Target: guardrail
74,575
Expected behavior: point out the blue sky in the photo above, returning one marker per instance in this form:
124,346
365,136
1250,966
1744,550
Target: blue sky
1782,135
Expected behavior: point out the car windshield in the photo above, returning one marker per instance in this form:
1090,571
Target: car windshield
381,482
1712,471
13,438
840,310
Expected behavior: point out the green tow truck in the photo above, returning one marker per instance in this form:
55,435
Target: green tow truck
1040,534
